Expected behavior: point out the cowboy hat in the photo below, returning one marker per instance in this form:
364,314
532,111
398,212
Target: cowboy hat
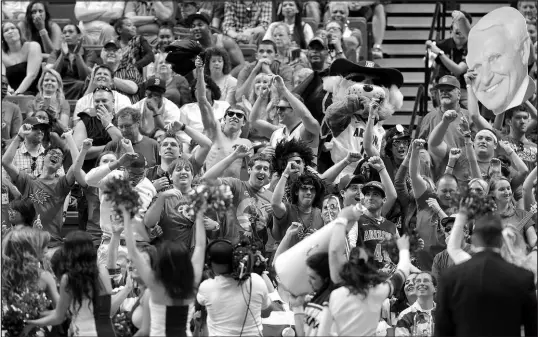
387,76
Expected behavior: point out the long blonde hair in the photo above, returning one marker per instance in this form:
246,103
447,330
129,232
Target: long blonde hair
59,95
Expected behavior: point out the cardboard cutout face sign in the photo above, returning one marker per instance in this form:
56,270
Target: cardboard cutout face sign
499,47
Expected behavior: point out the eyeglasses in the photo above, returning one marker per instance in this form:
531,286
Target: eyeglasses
235,113
398,143
283,107
125,126
333,29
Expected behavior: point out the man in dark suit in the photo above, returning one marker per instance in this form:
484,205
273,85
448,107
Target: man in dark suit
486,296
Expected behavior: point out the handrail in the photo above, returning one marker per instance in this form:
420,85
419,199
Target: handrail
438,26
416,106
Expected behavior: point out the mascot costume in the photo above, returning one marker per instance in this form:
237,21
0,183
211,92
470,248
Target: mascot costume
342,98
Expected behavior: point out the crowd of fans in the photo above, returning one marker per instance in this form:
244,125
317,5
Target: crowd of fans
105,104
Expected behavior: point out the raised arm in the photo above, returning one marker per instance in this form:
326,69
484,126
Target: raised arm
265,128
378,164
436,144
241,151
400,181
519,164
456,253
453,157
330,175
80,175
472,103
528,197
417,182
367,142
469,149
209,120
245,85
279,208
310,123
198,255
9,155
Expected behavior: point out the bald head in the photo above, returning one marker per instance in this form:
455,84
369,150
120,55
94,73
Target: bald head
499,47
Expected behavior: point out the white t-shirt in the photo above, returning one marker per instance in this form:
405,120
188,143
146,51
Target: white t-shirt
120,101
171,111
226,304
356,315
190,115
102,21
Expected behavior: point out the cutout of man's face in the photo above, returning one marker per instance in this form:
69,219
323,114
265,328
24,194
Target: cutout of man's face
499,56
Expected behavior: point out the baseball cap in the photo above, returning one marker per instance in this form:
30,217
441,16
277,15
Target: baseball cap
221,253
349,179
320,40
139,162
33,121
448,81
448,219
199,16
374,185
398,132
112,43
156,84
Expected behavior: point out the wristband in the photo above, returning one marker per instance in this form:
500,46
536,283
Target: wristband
468,85
441,53
347,161
511,153
285,175
43,32
20,137
452,167
156,115
109,126
379,171
182,128
340,221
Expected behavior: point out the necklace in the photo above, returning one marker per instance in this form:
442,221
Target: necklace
304,231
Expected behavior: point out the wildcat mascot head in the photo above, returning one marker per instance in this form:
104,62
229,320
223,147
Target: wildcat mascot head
355,87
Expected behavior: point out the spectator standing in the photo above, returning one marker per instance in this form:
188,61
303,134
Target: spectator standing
470,293
247,21
21,59
135,49
201,32
147,15
128,121
14,10
11,116
290,13
266,62
518,120
95,18
72,61
218,69
451,53
38,27
374,12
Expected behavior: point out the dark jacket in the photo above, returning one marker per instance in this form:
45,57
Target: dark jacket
486,296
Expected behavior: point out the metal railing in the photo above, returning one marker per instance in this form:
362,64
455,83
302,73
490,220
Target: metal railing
416,106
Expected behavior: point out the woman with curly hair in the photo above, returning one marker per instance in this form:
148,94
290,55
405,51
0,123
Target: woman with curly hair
289,13
355,307
51,96
23,254
219,67
85,290
37,27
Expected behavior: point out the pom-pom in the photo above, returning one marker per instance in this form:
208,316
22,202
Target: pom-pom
18,307
119,191
391,246
218,198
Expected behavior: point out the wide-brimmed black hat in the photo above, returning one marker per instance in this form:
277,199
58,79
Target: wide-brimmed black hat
386,76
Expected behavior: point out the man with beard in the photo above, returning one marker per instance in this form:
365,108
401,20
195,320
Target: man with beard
251,200
226,137
46,191
306,194
199,24
102,76
128,120
418,319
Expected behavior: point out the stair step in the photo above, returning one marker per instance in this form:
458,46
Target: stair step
398,119
404,49
416,22
407,107
407,35
410,8
409,91
482,8
401,63
413,77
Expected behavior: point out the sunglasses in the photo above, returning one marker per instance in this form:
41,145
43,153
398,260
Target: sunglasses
400,142
235,113
283,107
103,88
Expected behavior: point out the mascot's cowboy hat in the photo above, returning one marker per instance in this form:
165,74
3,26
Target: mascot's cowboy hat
382,76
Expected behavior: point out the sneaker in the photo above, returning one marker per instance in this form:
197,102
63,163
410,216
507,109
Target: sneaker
377,52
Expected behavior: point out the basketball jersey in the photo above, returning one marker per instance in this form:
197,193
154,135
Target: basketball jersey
372,233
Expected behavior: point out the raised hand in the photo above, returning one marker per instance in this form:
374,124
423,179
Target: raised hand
127,158
210,224
464,126
87,144
450,116
269,151
37,223
434,205
454,154
505,145
278,83
291,168
127,145
25,130
376,163
403,242
241,151
350,213
418,144
353,157
469,76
